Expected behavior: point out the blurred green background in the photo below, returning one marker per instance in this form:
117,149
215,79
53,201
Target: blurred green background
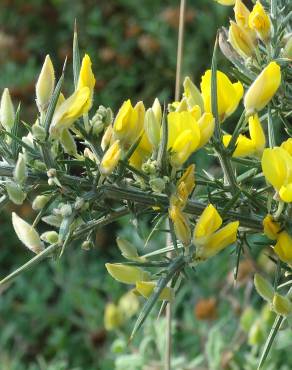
51,318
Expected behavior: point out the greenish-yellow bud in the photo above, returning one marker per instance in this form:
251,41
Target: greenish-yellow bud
50,237
20,170
7,113
255,335
15,193
287,52
282,305
157,184
38,132
264,288
39,202
68,142
152,127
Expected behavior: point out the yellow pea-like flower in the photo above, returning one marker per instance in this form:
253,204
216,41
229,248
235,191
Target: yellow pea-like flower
113,317
183,136
181,224
126,274
283,247
142,152
226,2
111,158
146,288
86,77
208,238
208,222
69,111
129,123
152,127
263,89
277,168
246,147
241,40
228,94
272,228
45,84
260,22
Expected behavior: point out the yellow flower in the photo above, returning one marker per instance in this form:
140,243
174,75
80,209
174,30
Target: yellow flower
263,89
181,224
113,317
142,152
283,247
228,94
183,136
126,274
111,159
45,85
69,111
260,22
249,147
129,123
277,168
271,227
152,127
241,40
226,2
146,288
86,77
208,238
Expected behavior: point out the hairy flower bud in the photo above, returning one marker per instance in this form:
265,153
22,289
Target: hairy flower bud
39,202
282,305
7,113
264,288
45,85
111,159
20,170
27,234
15,193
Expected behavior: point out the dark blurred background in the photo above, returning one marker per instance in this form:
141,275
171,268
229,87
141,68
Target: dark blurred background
51,318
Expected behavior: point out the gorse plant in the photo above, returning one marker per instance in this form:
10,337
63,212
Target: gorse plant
83,169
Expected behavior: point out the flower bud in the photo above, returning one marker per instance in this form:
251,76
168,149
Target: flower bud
262,89
111,159
241,14
27,234
271,227
282,305
45,85
156,107
152,127
146,288
20,170
39,202
157,184
38,132
7,113
107,137
68,143
255,335
15,193
128,250
287,52
65,210
50,237
86,245
264,288
126,274
192,94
